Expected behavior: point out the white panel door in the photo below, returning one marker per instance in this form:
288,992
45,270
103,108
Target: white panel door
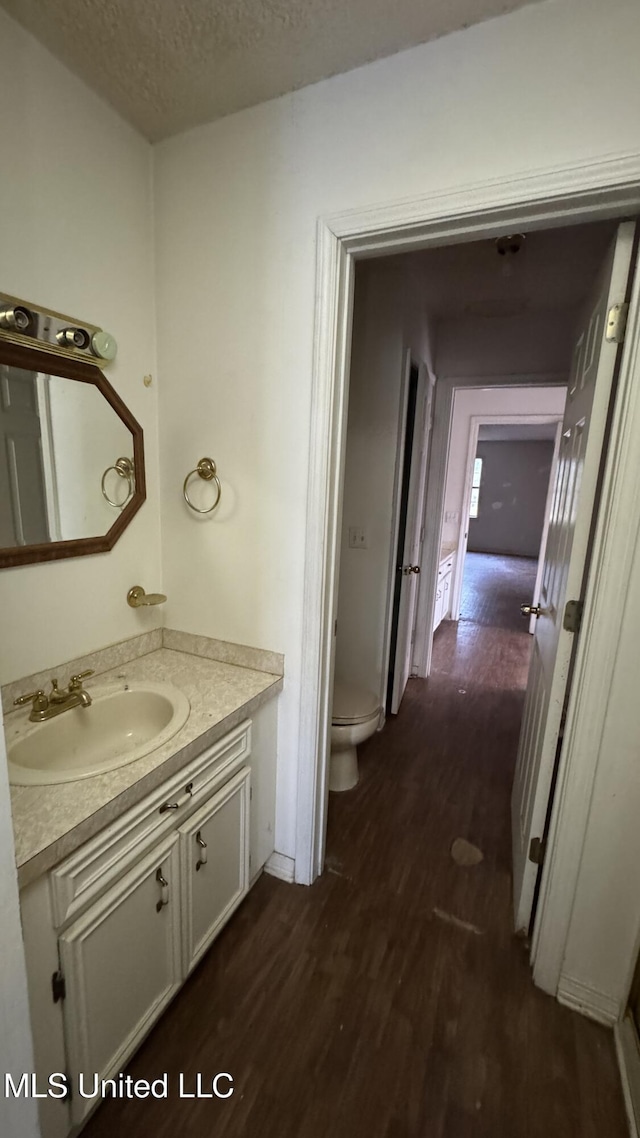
214,861
583,434
412,553
121,962
23,510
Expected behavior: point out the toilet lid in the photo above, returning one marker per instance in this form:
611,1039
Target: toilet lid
352,704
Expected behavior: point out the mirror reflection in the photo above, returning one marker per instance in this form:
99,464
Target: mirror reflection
66,459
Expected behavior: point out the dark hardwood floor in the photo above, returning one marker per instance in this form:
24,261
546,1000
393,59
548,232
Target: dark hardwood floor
391,1000
494,587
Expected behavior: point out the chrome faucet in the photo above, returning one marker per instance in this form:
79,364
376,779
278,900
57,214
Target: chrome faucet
46,707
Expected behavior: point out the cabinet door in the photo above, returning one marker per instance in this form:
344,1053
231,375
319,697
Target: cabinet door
437,612
214,860
121,963
445,585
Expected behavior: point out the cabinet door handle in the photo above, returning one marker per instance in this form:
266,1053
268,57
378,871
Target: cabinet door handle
202,860
164,890
189,788
168,806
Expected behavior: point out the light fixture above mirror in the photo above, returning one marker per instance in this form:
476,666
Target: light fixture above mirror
23,322
71,453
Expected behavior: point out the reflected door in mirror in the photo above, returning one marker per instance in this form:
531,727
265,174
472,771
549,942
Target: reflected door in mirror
23,506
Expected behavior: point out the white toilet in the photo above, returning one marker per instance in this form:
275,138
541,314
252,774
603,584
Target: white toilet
354,718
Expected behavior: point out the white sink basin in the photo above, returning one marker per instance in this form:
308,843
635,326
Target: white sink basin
122,724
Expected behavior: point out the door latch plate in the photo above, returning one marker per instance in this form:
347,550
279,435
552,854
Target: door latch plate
616,323
572,616
58,987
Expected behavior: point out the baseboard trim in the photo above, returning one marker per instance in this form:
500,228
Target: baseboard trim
279,865
629,1064
588,1001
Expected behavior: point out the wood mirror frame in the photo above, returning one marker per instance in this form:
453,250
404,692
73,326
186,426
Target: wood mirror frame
82,370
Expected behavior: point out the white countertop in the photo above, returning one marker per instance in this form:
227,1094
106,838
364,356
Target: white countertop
51,821
446,549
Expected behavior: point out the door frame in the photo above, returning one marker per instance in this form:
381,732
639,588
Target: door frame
475,423
556,196
395,524
546,524
419,454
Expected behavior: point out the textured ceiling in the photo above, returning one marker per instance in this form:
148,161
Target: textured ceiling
167,65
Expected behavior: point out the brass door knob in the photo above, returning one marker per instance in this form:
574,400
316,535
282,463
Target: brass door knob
530,610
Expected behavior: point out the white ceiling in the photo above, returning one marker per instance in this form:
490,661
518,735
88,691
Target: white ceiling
553,270
167,65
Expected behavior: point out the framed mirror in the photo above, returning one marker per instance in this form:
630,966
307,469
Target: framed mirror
71,458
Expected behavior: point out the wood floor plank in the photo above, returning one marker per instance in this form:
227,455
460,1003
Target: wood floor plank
365,1006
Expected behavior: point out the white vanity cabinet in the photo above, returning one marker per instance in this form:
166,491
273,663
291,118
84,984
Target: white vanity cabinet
121,922
442,608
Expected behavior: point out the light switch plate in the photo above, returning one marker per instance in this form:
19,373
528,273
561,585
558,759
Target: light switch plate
357,538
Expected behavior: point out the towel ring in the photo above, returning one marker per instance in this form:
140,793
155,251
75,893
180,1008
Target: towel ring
206,469
124,468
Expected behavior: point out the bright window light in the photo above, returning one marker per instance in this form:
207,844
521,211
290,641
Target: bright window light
475,488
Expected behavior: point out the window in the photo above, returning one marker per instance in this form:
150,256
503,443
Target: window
475,488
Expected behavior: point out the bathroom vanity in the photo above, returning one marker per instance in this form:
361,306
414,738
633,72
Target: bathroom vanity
127,877
442,609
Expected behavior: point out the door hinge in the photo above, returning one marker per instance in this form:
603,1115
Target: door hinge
572,616
616,323
537,850
58,987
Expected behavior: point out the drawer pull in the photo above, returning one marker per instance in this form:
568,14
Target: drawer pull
164,890
168,806
189,788
202,860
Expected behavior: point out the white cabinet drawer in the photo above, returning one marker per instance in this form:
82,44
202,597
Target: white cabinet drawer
101,860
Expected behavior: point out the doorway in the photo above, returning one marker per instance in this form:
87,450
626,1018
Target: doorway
340,242
507,506
589,359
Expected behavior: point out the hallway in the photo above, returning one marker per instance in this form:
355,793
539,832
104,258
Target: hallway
391,999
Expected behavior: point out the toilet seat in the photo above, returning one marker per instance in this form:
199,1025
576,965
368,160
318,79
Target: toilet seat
352,705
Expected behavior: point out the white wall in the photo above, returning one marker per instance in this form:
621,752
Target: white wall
76,235
18,1117
513,497
486,401
389,321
